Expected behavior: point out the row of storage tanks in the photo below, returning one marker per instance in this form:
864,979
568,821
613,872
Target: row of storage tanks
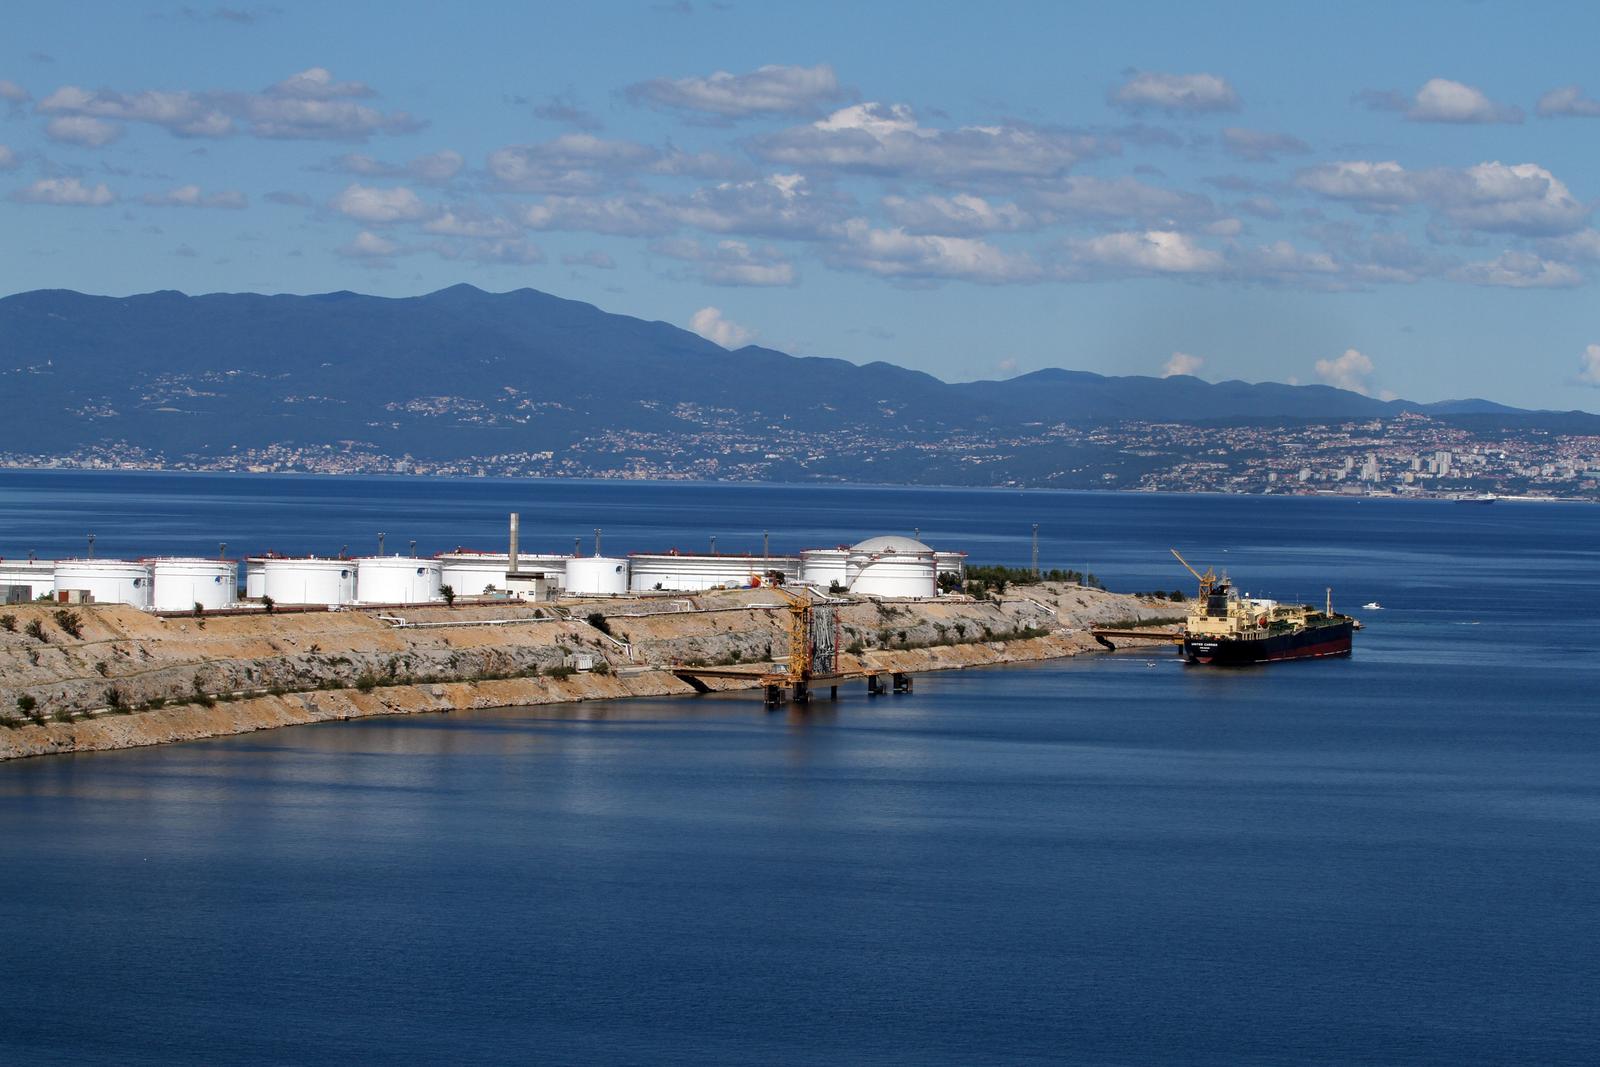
888,566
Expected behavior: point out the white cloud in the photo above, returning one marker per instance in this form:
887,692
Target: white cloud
453,224
1589,366
1349,371
368,245
309,105
1118,198
502,250
317,83
1521,198
898,254
1176,94
9,160
1519,270
65,192
1443,100
1259,146
1152,251
779,205
732,262
1181,363
1569,102
962,213
435,168
367,203
82,130
571,163
887,139
12,93
192,196
768,90
625,216
709,323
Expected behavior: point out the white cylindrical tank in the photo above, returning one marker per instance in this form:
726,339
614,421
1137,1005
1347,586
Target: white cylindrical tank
255,577
108,581
474,573
38,575
824,567
553,567
180,584
309,581
692,572
892,566
398,580
597,576
951,563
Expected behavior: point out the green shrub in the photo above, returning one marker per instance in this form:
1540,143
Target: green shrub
26,704
561,670
8,623
62,715
70,622
367,682
35,630
602,667
598,621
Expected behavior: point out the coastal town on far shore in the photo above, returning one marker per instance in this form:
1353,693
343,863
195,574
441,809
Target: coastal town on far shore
1407,455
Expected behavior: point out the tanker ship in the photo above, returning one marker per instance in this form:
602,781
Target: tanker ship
1227,629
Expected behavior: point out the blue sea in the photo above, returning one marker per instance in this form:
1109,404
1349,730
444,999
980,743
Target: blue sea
1388,859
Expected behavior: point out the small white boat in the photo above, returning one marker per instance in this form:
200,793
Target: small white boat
1372,606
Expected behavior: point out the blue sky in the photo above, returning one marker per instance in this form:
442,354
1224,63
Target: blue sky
1394,198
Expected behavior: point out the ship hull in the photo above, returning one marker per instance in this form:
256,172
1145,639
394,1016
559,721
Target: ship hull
1311,643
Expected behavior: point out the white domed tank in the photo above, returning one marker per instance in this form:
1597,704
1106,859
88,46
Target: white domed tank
37,575
180,584
329,582
108,581
474,573
255,577
825,567
398,580
892,566
597,576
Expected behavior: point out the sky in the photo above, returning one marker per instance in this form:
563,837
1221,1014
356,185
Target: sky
1398,199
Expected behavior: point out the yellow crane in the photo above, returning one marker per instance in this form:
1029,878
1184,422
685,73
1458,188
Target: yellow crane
1207,581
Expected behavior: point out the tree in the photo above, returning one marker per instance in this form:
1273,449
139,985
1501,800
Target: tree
449,594
268,604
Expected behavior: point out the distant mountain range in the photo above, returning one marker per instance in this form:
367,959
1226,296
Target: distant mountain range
462,373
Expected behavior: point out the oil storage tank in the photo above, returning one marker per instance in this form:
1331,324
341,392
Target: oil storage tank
107,581
309,580
38,576
182,583
825,567
474,573
892,566
690,572
596,576
398,580
255,577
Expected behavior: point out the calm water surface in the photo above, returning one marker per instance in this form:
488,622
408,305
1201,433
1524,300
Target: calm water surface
1387,859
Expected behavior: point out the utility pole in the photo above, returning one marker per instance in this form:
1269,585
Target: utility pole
713,544
1036,550
413,550
576,543
381,536
91,546
222,550
766,551
597,540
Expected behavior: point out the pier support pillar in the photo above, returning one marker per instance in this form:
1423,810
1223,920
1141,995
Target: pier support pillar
802,693
902,683
774,695
833,692
874,686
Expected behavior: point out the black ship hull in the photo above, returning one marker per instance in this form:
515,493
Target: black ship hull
1332,639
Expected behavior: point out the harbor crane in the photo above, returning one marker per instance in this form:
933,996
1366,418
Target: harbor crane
1208,580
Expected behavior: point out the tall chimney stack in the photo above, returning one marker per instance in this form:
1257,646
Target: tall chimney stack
516,526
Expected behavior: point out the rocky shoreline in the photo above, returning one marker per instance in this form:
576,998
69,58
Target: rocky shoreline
128,679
